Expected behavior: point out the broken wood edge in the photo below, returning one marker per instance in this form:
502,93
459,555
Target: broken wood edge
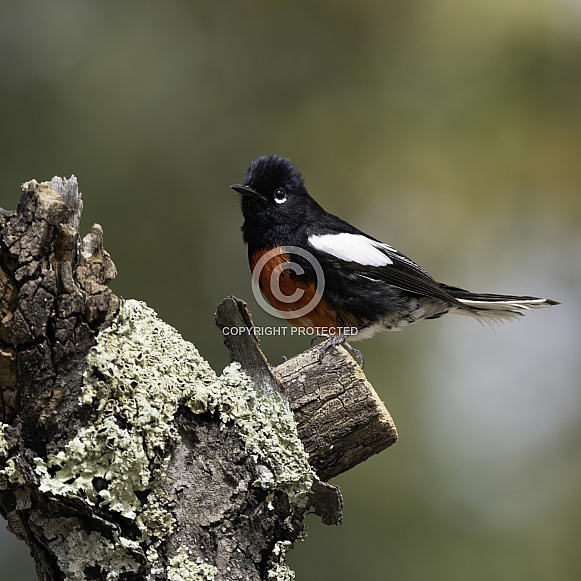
244,344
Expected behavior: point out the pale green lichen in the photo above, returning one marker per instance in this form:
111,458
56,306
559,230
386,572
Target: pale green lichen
12,472
269,431
138,374
279,571
3,442
102,451
73,556
182,568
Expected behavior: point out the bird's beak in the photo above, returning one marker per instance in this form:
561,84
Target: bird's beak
245,190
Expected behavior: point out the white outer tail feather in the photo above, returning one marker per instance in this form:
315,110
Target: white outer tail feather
498,311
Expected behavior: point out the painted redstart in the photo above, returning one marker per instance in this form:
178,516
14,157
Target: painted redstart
323,274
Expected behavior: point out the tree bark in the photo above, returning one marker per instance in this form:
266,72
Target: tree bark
123,455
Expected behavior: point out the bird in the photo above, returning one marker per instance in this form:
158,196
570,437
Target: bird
324,275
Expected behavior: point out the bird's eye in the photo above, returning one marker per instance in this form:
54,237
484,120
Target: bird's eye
280,196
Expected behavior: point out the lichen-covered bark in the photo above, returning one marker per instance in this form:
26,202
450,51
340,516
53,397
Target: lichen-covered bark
179,458
122,453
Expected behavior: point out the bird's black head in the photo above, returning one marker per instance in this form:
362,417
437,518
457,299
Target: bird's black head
273,194
269,173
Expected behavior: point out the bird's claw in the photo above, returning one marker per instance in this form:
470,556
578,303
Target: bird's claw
332,342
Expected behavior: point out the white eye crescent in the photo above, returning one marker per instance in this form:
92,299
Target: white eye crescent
280,196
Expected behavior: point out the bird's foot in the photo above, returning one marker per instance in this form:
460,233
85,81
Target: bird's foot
332,341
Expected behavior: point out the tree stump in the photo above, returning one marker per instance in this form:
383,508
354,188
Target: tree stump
123,455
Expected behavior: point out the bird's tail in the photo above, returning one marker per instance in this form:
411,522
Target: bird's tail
495,307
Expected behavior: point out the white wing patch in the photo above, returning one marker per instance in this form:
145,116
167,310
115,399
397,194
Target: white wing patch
353,248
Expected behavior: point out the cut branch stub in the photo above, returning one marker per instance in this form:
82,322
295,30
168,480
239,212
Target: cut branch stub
340,418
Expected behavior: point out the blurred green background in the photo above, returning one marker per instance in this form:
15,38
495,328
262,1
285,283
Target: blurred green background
451,130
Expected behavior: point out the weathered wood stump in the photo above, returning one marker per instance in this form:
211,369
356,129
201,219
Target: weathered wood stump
123,454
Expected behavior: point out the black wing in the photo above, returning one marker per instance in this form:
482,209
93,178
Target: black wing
340,245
